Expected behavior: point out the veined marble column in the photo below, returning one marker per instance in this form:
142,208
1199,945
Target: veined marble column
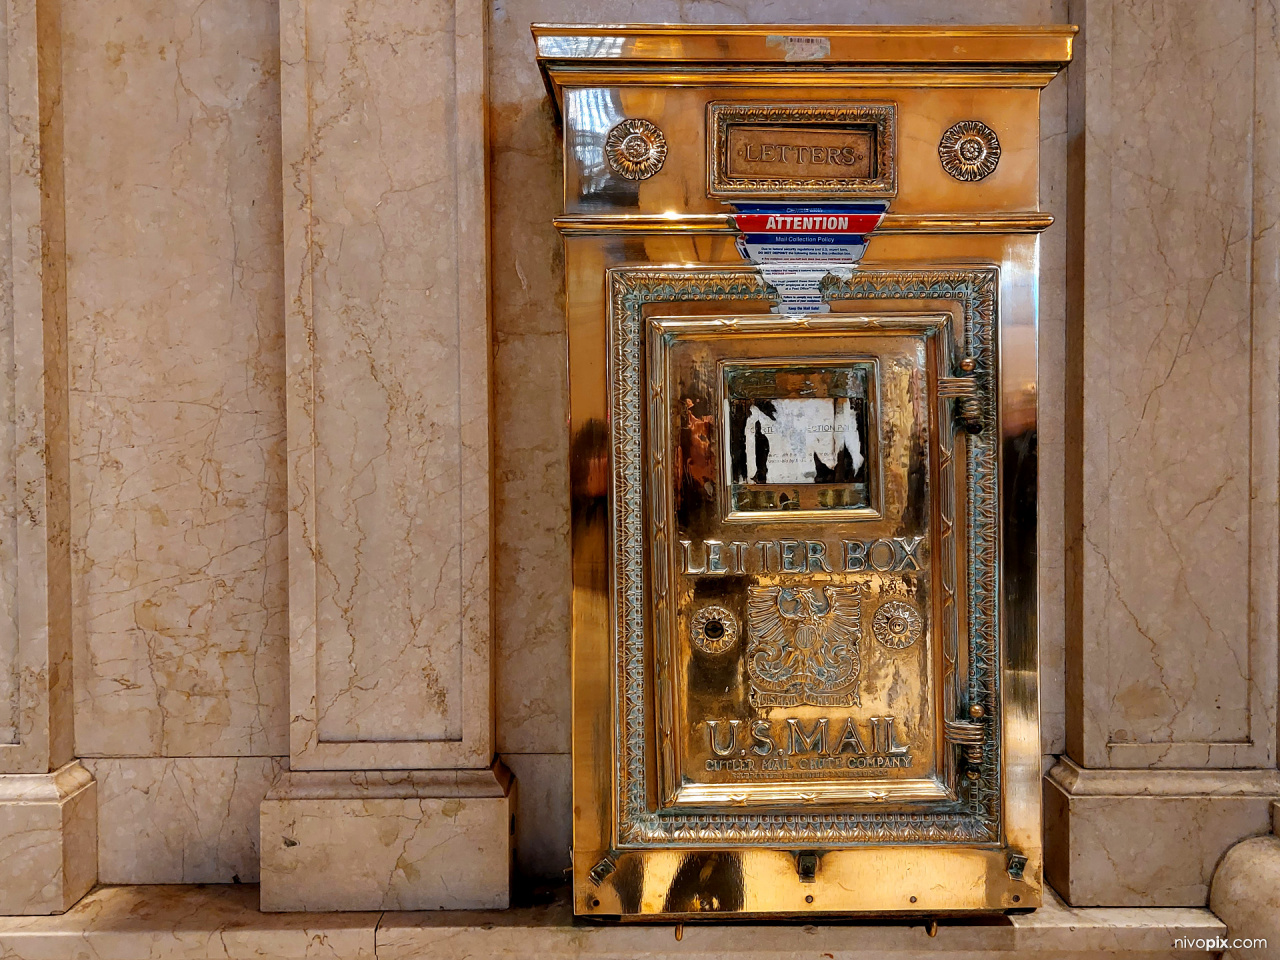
394,800
48,804
1172,486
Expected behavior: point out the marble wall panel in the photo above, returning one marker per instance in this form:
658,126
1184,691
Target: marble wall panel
1174,609
386,432
10,705
388,391
182,820
176,340
530,394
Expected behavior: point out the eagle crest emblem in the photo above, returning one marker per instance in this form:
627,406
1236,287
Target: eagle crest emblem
803,645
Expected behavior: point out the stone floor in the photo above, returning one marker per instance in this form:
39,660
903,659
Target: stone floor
198,922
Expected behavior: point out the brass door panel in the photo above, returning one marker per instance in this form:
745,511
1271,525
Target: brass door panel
775,692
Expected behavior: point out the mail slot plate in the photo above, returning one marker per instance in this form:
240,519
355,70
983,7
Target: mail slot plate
791,150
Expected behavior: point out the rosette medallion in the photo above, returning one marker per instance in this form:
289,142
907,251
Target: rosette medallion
969,150
636,149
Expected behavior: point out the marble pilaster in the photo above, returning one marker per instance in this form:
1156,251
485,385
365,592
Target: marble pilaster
387,379
1171,485
48,817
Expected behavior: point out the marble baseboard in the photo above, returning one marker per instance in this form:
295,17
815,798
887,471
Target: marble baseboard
1147,838
180,819
197,922
48,840
386,840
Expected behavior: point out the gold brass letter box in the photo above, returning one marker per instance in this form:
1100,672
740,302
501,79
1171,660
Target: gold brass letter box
801,268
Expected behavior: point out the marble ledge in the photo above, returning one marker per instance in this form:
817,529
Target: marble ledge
215,921
494,782
1081,781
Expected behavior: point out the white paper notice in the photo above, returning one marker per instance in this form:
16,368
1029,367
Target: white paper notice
802,435
797,286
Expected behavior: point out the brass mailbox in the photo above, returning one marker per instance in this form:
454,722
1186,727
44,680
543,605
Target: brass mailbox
804,622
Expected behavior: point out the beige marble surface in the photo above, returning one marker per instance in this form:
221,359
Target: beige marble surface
387,378
1176,538
547,934
543,804
1246,897
176,340
180,820
48,840
203,922
186,923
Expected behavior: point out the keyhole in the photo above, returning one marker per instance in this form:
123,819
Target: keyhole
714,630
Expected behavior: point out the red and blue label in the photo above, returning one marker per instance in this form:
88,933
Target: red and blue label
806,233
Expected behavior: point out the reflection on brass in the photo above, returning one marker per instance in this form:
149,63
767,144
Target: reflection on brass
804,150
804,654
636,149
969,150
749,55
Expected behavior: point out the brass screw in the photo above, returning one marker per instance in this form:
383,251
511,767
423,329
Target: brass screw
977,712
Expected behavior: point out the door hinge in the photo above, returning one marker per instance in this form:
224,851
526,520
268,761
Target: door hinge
964,391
